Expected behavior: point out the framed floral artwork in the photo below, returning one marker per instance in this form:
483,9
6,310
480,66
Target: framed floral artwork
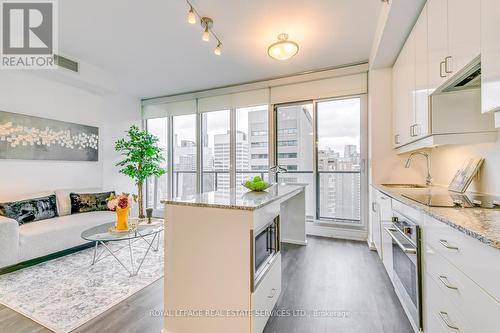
27,137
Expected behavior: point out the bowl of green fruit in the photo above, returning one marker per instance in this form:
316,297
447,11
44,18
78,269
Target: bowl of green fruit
256,184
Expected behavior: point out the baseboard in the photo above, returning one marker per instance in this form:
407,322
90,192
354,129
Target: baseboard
292,241
36,261
332,232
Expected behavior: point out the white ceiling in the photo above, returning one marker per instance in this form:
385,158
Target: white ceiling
151,49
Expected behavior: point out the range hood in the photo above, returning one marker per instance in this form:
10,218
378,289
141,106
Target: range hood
468,77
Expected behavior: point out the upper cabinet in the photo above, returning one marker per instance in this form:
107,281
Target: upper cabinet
437,32
453,38
444,40
403,92
464,30
490,56
410,86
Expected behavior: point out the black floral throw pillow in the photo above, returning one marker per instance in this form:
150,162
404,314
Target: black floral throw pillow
31,210
89,202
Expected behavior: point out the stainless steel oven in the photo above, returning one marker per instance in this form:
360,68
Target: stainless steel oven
407,266
265,248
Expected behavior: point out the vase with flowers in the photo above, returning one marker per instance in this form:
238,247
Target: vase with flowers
121,204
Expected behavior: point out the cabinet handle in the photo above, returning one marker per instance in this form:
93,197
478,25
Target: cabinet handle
446,62
396,139
272,294
444,280
441,65
417,129
446,320
447,245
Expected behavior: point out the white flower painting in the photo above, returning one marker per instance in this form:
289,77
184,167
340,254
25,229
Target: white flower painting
34,138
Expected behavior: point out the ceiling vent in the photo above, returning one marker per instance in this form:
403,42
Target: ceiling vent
66,63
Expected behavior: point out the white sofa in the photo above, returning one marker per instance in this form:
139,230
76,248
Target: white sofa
20,243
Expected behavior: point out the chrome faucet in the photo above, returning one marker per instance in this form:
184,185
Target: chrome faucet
275,170
428,180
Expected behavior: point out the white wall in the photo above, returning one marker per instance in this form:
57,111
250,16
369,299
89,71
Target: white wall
385,165
36,95
447,159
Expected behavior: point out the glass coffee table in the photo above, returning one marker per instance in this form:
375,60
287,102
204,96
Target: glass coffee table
101,235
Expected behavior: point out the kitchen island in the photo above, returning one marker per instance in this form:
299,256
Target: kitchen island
222,256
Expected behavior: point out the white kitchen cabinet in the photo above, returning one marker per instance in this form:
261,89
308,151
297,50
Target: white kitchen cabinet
463,252
445,38
463,34
376,233
490,55
381,212
403,93
437,26
479,309
421,120
387,248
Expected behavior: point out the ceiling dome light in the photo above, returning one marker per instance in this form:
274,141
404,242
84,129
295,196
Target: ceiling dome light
217,50
191,16
283,49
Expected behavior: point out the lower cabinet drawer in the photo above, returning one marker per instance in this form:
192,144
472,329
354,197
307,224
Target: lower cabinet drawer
464,297
265,296
440,315
476,260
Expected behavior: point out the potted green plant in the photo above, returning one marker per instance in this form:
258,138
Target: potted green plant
142,159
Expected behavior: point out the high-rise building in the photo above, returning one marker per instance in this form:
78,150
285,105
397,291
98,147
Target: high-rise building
222,159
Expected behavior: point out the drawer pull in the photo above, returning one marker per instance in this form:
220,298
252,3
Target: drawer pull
272,294
447,245
445,281
446,320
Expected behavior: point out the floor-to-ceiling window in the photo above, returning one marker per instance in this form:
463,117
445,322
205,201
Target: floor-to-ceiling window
216,150
157,187
184,162
319,143
252,143
339,159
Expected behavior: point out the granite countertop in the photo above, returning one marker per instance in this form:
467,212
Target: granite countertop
480,223
237,198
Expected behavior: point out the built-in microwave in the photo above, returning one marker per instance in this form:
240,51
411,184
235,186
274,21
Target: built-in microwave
265,248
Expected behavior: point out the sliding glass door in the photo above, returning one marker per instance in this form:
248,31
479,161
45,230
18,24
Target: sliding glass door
319,144
295,146
339,160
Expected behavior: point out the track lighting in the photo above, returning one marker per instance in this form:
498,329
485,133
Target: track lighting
206,35
191,16
207,24
217,50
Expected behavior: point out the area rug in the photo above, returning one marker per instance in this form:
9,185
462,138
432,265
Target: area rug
65,293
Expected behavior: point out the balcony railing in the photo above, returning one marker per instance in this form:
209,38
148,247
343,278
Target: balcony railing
337,197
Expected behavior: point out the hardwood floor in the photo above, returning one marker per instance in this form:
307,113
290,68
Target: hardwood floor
336,276
330,275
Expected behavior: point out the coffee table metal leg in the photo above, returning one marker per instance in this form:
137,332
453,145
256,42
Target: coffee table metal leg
147,251
131,256
121,263
95,252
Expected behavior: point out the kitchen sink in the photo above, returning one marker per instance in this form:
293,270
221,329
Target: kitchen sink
405,185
